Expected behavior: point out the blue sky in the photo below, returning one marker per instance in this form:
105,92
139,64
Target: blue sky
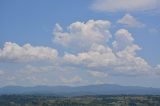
48,42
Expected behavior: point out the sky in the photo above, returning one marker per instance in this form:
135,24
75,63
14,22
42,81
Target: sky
79,42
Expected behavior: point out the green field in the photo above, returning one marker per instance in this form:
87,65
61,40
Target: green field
108,100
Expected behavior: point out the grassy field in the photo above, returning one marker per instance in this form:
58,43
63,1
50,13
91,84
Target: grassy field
103,100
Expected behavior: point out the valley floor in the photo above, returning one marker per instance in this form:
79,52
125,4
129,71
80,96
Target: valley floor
102,100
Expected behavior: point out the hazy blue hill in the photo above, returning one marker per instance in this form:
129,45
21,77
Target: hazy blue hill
105,89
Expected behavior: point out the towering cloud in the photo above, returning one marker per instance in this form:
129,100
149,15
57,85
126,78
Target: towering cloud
122,39
83,35
124,60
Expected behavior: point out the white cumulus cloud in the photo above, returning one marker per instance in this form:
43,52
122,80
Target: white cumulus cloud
94,57
130,21
101,58
122,58
14,52
83,35
125,61
122,39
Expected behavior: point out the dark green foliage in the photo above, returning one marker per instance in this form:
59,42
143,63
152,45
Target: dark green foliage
121,100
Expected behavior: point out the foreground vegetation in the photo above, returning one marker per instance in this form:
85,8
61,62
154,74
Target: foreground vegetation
121,100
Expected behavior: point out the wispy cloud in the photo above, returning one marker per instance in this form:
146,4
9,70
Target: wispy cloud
125,5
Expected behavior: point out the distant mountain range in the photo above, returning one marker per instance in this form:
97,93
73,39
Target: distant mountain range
105,89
